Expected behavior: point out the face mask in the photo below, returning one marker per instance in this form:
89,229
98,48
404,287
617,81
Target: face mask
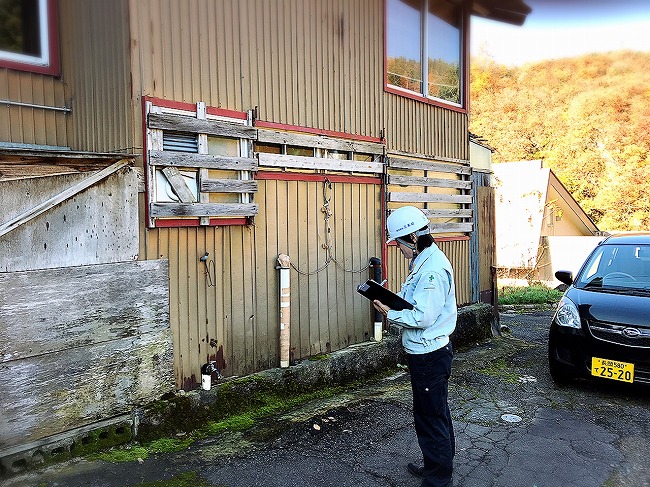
413,248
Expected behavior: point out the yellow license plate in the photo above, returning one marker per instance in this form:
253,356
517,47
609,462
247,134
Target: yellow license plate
612,369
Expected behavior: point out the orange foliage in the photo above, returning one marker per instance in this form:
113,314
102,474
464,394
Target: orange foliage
588,118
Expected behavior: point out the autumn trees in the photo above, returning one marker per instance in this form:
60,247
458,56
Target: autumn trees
588,118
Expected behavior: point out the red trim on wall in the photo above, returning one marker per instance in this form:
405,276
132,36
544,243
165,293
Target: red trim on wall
458,238
177,105
191,107
54,66
310,130
415,96
334,178
196,222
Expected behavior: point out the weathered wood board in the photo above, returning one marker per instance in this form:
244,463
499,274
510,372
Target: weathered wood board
81,344
98,225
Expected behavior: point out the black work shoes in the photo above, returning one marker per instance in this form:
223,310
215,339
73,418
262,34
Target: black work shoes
415,470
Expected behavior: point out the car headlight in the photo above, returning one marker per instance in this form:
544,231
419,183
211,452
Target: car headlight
567,313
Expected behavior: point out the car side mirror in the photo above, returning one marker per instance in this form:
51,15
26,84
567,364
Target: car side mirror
565,277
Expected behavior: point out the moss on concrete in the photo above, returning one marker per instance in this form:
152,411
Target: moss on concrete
186,479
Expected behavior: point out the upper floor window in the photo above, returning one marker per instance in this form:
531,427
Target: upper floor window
28,36
424,48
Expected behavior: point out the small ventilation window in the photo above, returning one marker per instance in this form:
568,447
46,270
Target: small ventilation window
180,142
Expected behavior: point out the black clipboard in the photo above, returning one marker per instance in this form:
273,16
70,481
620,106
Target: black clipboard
373,290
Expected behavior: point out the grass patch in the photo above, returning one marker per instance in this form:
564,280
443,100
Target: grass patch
500,370
186,479
535,294
124,454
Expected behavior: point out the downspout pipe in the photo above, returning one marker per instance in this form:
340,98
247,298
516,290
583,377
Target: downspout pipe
284,264
375,271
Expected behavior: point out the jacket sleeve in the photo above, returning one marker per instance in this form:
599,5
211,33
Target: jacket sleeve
429,296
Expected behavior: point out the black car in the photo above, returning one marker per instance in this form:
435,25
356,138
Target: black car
601,328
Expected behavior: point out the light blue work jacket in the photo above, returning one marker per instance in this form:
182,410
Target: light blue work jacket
429,287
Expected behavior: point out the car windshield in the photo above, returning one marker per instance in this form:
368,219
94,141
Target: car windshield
617,268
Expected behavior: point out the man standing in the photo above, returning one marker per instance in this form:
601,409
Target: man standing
426,328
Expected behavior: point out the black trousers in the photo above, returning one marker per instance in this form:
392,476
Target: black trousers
429,379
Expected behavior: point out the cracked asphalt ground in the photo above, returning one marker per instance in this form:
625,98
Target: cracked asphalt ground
514,428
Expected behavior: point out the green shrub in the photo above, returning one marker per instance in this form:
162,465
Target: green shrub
535,294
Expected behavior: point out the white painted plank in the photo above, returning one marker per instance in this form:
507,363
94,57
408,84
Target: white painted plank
297,162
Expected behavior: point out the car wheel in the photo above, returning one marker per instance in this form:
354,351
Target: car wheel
560,374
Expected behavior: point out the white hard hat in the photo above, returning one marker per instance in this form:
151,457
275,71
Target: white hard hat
405,220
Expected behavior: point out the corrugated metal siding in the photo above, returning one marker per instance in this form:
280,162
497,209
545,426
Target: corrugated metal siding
457,251
95,82
95,62
22,125
200,312
420,128
305,63
241,310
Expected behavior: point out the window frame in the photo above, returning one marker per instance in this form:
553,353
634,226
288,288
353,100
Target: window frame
48,63
463,106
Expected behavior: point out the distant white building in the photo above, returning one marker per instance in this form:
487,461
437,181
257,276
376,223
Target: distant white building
540,227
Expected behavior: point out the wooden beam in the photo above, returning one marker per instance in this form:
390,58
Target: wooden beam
228,186
319,141
451,227
208,161
447,213
429,198
428,166
178,185
435,182
183,123
170,210
298,162
61,197
409,155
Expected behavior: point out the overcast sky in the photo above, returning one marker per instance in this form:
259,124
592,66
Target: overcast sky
565,28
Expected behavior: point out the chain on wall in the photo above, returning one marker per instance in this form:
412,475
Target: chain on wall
329,257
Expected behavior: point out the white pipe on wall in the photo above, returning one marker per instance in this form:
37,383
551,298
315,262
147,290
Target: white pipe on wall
285,308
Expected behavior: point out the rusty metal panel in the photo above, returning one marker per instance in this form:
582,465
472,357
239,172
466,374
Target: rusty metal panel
95,84
326,312
189,51
212,303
